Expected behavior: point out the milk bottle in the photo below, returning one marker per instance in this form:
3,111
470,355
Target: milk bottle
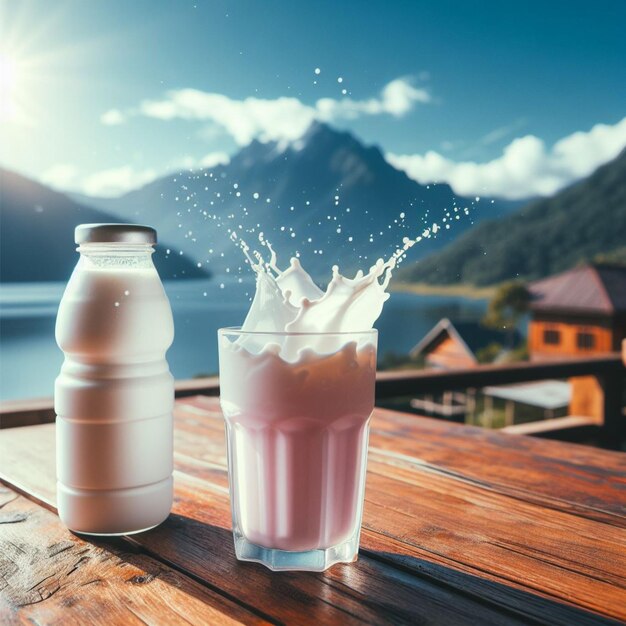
115,394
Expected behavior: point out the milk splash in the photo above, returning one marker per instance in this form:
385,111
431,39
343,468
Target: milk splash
289,301
297,391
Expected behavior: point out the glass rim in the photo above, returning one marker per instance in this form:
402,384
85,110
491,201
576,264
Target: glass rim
236,330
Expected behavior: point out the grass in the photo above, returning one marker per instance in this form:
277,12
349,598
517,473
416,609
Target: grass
466,291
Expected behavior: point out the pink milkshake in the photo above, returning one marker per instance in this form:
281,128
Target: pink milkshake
297,434
297,391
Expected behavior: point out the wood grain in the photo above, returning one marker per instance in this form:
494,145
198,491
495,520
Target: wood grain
460,526
559,475
197,540
49,576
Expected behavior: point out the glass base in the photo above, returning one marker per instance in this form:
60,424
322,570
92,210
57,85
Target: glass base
309,561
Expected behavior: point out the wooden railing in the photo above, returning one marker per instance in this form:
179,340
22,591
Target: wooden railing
608,369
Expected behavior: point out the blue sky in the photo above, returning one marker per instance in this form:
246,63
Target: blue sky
469,80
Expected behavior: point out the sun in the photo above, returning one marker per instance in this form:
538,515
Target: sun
40,62
27,55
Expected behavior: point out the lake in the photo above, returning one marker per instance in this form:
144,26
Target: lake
30,359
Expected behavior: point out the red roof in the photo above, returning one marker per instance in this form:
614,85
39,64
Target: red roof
586,289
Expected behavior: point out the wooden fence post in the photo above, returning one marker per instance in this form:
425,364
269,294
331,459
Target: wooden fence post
613,421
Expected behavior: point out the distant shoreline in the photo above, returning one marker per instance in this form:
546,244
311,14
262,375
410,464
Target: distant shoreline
424,289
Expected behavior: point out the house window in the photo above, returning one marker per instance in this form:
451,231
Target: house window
585,341
551,337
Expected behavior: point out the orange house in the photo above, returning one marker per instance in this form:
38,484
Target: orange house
578,313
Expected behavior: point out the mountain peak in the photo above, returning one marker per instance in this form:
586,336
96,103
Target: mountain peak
321,136
321,131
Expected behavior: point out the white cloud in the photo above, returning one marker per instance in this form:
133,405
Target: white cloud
106,183
525,168
112,117
284,118
397,98
60,176
116,181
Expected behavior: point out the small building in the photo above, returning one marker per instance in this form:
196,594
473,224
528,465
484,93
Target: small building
578,313
455,346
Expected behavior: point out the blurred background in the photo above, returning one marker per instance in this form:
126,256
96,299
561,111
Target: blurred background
495,131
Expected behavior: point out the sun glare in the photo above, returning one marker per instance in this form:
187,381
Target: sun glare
8,81
39,62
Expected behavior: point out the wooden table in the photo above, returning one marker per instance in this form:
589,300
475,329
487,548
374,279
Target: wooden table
460,526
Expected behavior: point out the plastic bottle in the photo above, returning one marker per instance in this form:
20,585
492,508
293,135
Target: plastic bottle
115,394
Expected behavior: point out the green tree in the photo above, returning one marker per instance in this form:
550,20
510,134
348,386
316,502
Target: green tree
508,305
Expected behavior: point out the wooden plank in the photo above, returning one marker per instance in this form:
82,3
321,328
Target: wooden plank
395,539
500,538
555,425
575,464
27,461
198,540
559,475
198,537
497,548
14,413
209,386
48,575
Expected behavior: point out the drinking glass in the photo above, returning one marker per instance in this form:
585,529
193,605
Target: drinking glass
297,408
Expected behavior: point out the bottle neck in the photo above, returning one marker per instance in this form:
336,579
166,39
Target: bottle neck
116,255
